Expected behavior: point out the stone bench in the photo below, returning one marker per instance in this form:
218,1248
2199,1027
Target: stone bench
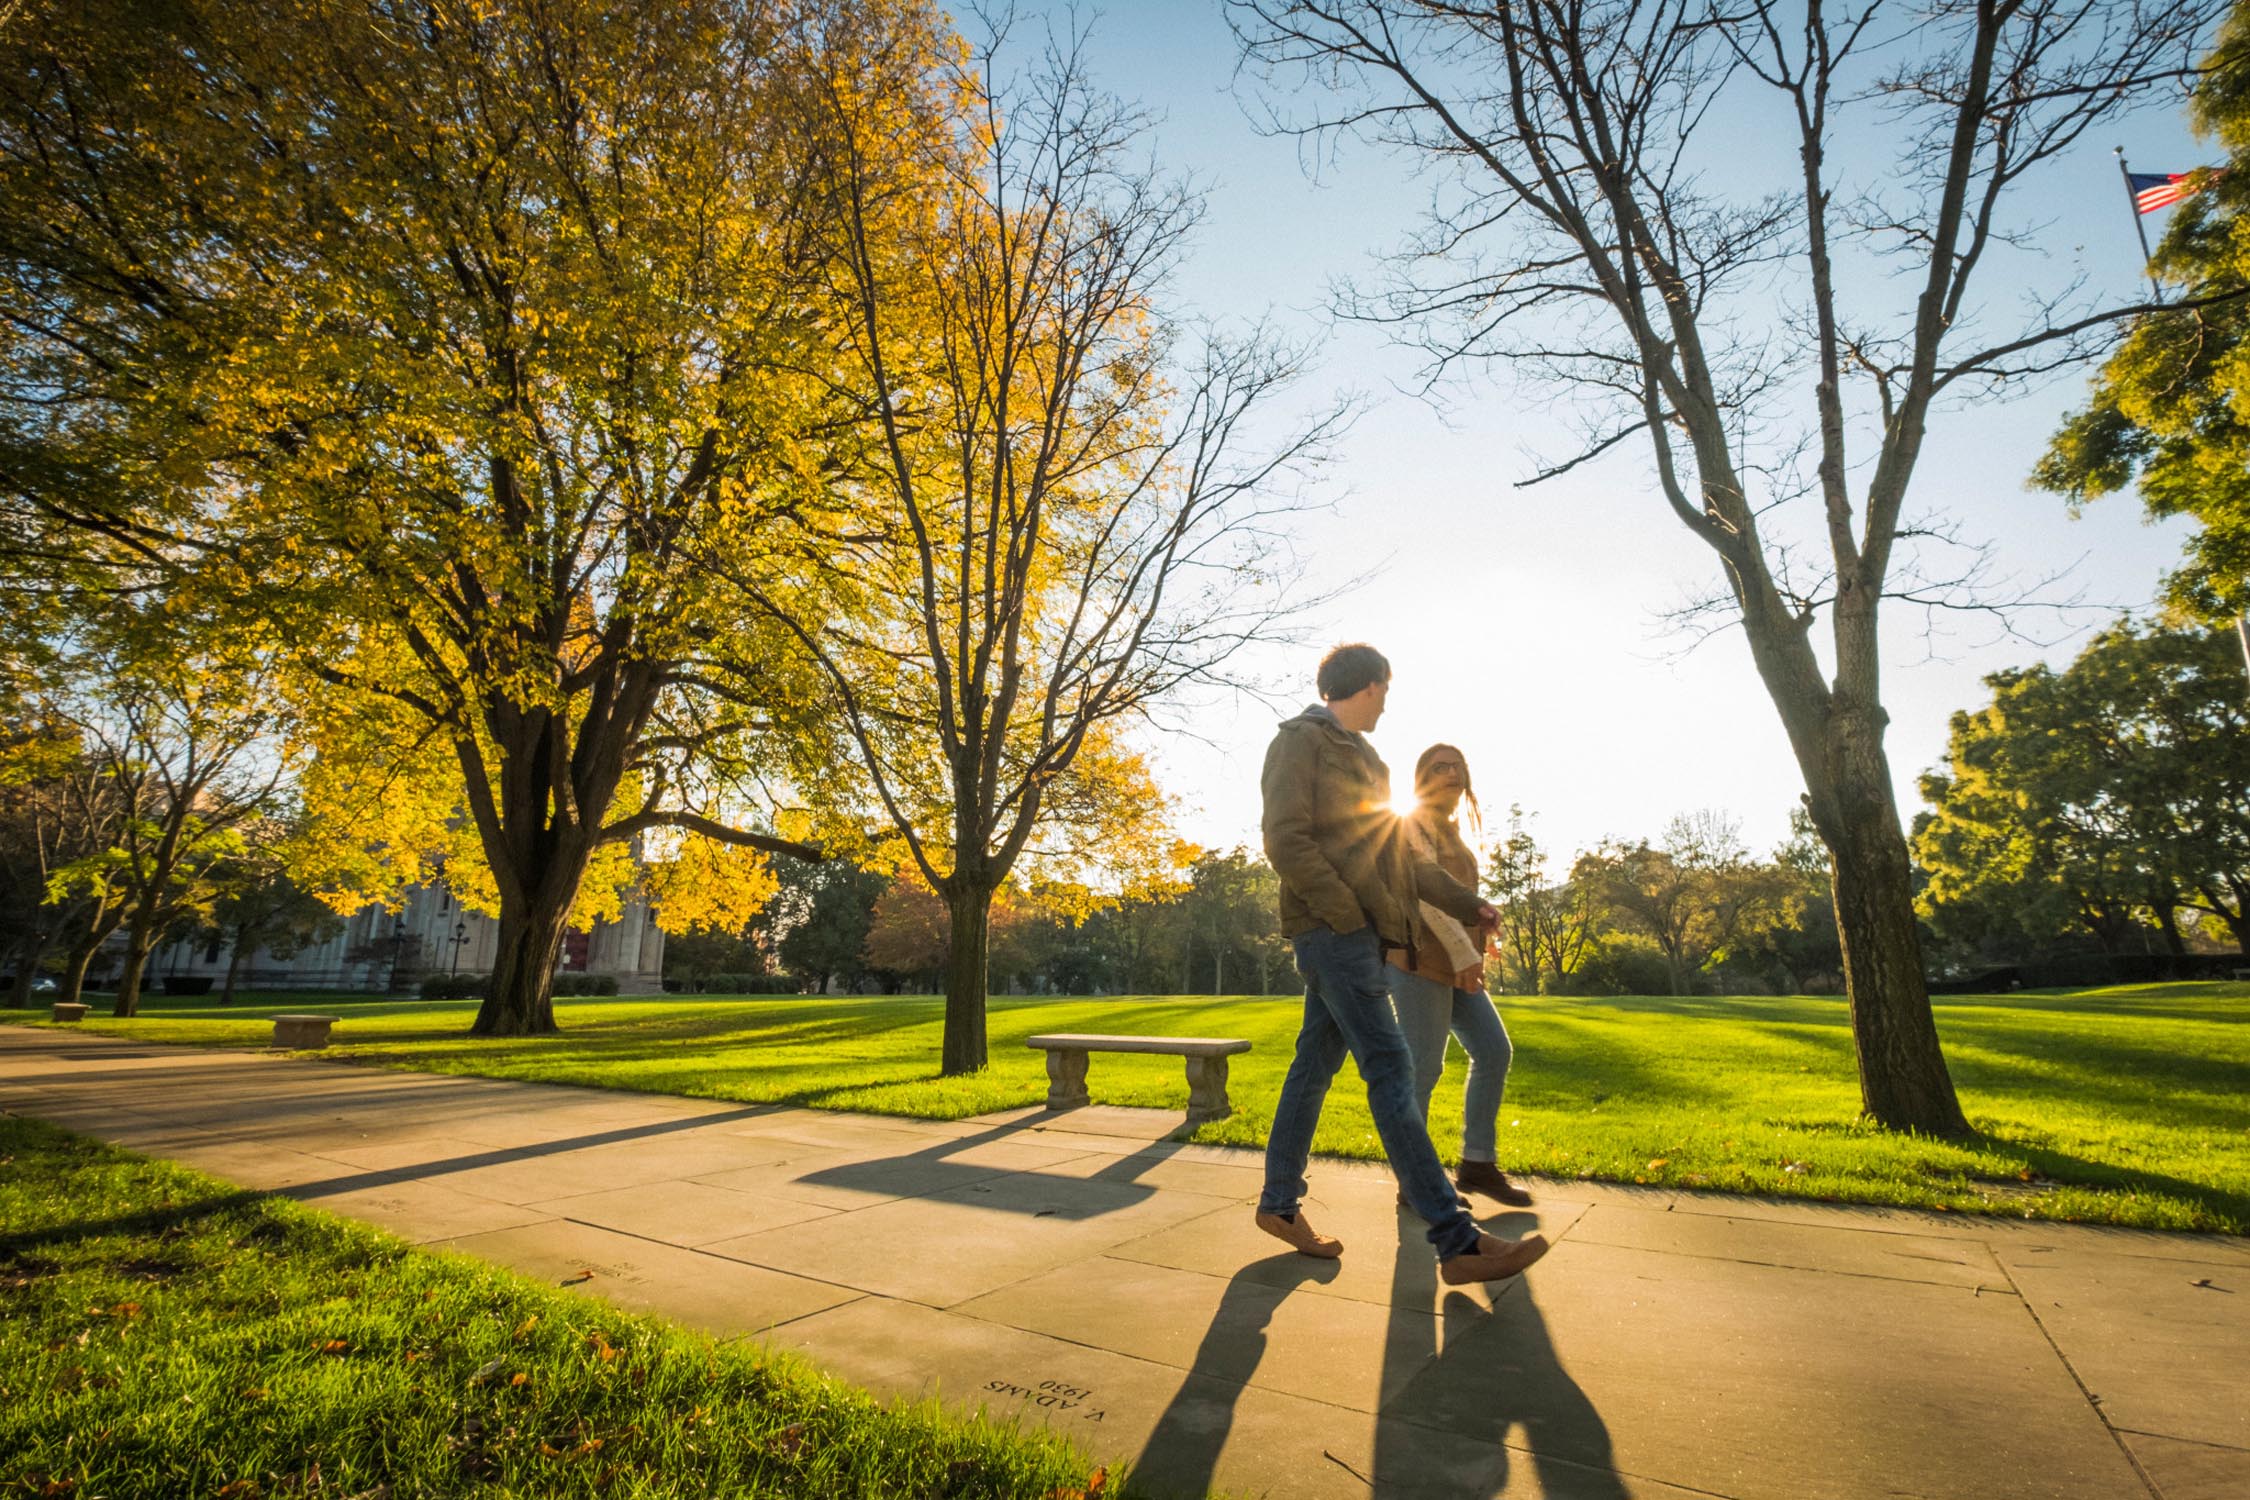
301,1033
1206,1067
70,1010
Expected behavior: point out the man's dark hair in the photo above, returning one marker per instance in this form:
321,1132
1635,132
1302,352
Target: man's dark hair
1350,669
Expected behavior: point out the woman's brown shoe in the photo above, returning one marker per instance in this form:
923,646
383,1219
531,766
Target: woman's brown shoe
1300,1236
1492,1260
1483,1177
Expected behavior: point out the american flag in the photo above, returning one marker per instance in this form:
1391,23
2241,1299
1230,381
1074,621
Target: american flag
2155,190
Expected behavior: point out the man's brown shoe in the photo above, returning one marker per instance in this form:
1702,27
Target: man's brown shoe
1483,1177
1492,1260
1300,1236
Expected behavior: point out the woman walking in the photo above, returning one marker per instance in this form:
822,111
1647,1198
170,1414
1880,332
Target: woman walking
1443,994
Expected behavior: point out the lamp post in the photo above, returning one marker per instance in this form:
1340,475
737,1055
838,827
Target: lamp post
460,936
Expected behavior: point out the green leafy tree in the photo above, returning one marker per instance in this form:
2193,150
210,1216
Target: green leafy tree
259,908
2109,794
1696,895
1230,915
1546,928
189,742
822,916
56,808
2171,407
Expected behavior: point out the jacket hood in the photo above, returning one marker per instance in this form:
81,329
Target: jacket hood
1315,716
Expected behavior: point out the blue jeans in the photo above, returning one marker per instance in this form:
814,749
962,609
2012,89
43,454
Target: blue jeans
1428,1011
1348,1009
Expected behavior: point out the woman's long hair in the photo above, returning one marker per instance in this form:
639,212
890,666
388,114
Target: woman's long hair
1426,793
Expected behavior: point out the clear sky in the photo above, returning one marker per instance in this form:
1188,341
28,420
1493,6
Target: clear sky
1524,624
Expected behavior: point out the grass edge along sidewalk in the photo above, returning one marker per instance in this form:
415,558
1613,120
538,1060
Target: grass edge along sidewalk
163,1333
2124,1105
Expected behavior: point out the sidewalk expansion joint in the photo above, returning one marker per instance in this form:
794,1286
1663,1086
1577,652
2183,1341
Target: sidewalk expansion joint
1782,1265
2093,1402
2197,1442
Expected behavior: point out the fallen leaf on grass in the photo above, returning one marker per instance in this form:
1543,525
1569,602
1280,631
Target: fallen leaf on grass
603,1349
787,1441
528,1324
336,1346
238,1489
1656,1162
487,1370
518,1378
380,1492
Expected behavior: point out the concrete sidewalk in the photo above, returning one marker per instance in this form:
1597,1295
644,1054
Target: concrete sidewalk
1085,1272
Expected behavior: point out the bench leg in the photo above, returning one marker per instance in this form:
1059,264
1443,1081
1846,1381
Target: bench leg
1066,1080
1207,1090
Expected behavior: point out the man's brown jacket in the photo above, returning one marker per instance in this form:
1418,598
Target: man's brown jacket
1331,836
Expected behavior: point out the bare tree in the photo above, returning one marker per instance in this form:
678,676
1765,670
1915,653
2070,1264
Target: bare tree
1579,234
1062,520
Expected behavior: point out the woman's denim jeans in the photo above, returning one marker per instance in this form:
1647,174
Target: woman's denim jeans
1429,1010
1348,1009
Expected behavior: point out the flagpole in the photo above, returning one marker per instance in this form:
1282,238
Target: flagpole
2133,203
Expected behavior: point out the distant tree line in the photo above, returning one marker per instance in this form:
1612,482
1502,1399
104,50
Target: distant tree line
2099,809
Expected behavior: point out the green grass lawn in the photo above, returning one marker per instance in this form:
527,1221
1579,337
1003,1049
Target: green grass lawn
164,1334
2128,1105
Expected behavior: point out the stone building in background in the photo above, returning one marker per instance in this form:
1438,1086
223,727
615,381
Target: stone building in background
378,951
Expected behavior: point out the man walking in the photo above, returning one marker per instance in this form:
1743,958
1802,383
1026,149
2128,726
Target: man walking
1348,894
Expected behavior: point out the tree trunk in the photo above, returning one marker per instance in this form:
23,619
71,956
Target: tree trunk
1218,971
129,978
1903,1083
234,964
520,1000
30,952
966,981
2168,923
74,971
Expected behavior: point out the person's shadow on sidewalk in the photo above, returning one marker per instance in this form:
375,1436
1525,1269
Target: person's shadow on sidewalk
1484,1374
1182,1451
1457,1388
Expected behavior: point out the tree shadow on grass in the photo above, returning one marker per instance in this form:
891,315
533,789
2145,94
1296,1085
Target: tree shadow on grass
2228,1211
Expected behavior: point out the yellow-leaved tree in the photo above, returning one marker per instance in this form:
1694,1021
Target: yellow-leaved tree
440,339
